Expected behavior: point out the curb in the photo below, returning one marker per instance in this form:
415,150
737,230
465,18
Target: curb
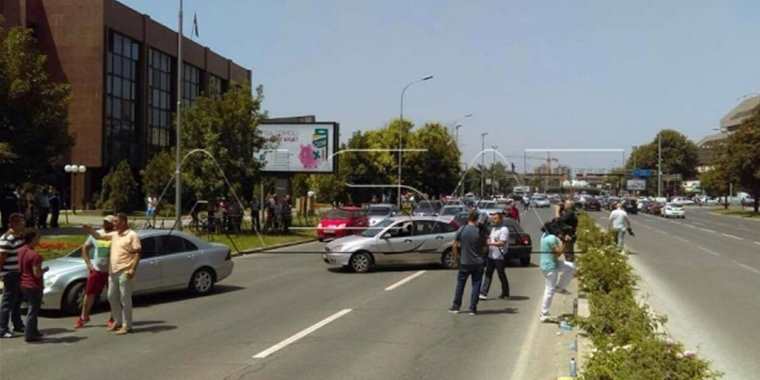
735,216
276,246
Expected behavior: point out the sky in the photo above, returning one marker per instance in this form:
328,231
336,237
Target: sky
534,74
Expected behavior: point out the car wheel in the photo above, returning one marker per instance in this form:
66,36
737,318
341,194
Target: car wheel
202,281
525,261
361,262
448,260
73,298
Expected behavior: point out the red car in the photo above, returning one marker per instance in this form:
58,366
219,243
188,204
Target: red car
340,222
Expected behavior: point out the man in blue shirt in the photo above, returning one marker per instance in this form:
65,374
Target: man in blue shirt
552,268
471,262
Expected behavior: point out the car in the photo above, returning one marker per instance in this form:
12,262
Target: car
489,207
655,208
170,260
683,201
448,213
520,244
379,211
339,222
592,204
612,203
539,201
427,208
673,210
747,202
630,206
399,240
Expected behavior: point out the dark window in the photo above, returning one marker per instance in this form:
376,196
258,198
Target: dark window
401,229
149,248
159,100
191,83
176,244
442,228
122,77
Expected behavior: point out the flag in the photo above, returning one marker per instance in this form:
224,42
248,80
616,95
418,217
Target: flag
195,24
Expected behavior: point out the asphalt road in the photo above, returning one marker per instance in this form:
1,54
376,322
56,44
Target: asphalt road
284,315
703,272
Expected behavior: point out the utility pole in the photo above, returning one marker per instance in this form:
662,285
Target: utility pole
177,170
493,171
482,163
659,166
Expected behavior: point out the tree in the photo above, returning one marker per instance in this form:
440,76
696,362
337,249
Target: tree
739,158
226,127
435,171
679,156
157,173
33,110
119,189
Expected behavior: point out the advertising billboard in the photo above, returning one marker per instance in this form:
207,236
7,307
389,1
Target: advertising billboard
299,147
636,184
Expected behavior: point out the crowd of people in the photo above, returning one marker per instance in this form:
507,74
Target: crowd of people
40,205
482,250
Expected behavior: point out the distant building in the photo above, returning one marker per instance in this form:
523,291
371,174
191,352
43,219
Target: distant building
728,124
122,68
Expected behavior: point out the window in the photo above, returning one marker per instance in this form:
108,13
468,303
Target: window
402,229
424,227
175,244
191,83
216,86
149,248
442,228
159,100
121,119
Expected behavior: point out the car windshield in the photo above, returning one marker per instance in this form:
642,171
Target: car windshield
337,214
451,210
374,230
379,211
486,204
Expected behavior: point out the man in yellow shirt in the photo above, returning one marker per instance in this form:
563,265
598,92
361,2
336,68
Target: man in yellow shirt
125,254
96,255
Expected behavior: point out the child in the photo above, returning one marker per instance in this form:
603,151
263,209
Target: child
30,268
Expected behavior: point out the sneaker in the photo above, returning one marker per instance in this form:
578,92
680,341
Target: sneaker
544,317
80,323
472,312
110,323
6,335
482,297
113,327
453,310
123,331
562,291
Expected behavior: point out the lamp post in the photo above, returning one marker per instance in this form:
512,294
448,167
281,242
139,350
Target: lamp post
456,134
482,162
73,169
493,173
400,135
178,163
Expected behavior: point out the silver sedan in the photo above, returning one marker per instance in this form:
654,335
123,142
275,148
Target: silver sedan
397,240
170,260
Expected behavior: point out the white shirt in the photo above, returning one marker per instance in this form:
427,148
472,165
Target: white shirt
498,234
619,219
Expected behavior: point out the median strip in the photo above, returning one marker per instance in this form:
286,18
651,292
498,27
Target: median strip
404,281
300,335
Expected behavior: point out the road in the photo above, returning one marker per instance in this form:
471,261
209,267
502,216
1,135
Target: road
703,272
283,315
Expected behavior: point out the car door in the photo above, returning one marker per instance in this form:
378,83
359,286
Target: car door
434,236
148,274
178,260
396,244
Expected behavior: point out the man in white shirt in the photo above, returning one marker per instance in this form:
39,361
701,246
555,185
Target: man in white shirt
619,223
498,242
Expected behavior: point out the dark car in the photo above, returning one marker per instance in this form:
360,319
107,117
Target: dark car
655,208
631,206
520,243
427,208
612,203
592,204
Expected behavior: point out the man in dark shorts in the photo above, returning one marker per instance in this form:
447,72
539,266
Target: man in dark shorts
471,262
96,255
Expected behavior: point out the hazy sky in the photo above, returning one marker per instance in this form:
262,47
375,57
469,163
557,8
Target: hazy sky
535,74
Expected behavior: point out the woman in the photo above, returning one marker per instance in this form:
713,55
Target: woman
30,268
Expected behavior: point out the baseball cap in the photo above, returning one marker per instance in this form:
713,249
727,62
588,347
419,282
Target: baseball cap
109,218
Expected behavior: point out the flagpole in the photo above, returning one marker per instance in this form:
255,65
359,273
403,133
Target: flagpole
178,187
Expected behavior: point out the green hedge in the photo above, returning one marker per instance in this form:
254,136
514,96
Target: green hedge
627,339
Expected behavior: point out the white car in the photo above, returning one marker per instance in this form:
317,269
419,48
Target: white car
673,210
540,201
683,201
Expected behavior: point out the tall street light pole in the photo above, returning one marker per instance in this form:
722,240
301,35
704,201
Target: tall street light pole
400,133
493,173
482,162
456,134
178,185
659,166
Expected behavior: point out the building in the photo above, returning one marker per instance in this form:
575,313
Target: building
728,123
122,69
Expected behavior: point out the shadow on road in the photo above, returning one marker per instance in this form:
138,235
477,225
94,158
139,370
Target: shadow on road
507,310
65,339
151,327
179,295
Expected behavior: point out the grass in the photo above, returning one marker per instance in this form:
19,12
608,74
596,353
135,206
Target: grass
745,213
53,246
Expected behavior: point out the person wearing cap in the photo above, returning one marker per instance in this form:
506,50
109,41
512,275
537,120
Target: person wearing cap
96,254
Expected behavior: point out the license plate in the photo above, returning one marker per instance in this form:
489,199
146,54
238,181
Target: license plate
329,230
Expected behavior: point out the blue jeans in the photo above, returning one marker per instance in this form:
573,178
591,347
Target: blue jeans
476,271
10,306
620,238
34,301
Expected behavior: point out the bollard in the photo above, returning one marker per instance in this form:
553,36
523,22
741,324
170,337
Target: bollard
573,368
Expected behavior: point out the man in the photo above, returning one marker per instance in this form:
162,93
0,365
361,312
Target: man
8,206
255,217
43,203
498,242
619,223
10,306
55,207
470,263
123,259
512,210
568,221
552,268
97,269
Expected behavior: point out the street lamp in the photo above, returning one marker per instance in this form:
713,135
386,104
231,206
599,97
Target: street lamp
456,134
73,169
482,162
493,173
400,135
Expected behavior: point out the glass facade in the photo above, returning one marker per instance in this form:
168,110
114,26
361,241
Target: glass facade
122,78
191,83
216,85
159,100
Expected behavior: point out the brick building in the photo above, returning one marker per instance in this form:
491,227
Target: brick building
122,68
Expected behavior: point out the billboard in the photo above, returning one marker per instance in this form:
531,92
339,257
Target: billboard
636,184
299,147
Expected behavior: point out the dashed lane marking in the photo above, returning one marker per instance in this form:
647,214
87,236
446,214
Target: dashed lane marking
404,281
732,236
747,267
300,335
708,251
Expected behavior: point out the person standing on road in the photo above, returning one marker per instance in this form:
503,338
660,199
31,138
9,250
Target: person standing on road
498,243
568,221
10,306
55,207
619,223
557,274
468,243
97,269
124,256
30,269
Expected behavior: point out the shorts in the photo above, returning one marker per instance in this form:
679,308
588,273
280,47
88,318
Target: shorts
96,281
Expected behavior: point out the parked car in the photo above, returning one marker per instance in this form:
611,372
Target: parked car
427,208
539,201
747,202
395,241
592,204
170,260
655,208
489,207
612,203
673,210
683,201
449,213
339,222
630,206
380,211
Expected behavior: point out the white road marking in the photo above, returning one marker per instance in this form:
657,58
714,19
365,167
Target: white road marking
710,252
404,281
698,223
757,242
706,230
732,236
298,336
747,267
681,239
691,226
